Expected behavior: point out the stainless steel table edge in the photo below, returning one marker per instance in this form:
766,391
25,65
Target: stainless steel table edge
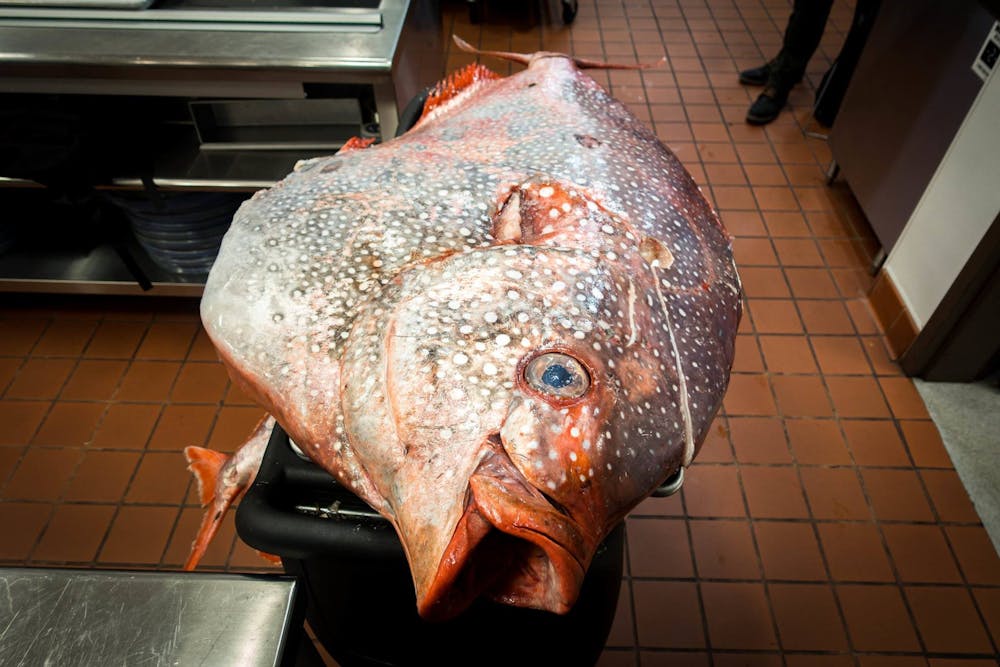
71,616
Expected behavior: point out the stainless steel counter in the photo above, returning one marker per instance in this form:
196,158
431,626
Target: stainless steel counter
88,617
396,49
281,60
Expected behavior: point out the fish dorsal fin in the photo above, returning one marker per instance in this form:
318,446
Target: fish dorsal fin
529,58
456,85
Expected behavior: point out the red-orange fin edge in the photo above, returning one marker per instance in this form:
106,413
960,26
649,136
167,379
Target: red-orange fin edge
205,464
356,144
451,86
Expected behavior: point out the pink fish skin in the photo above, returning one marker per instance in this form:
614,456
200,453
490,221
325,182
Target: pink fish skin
502,330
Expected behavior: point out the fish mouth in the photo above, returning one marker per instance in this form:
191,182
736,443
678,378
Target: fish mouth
512,545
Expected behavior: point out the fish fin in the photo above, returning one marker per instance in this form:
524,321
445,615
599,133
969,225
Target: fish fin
527,59
221,480
454,85
205,464
356,144
270,558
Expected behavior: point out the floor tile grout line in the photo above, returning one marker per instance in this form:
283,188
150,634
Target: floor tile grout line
869,583
121,504
24,453
687,520
940,523
636,650
860,478
798,472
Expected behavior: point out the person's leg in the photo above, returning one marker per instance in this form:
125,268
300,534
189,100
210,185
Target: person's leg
802,37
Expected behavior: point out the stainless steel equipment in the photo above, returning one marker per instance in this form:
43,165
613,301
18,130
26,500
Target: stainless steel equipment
912,89
89,617
213,94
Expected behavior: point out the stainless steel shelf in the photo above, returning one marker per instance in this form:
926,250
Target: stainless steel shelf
385,51
97,271
185,165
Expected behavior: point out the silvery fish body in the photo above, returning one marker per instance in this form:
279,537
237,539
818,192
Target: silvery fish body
502,330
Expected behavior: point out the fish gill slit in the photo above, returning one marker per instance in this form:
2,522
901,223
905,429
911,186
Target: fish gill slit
681,381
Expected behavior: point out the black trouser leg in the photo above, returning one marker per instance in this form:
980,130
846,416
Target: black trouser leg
802,36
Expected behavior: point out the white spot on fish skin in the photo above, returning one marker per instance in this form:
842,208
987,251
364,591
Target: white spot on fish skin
489,369
583,478
490,317
460,359
572,456
551,485
575,432
553,455
502,340
546,192
446,433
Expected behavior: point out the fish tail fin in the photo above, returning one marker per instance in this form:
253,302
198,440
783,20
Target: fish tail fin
528,58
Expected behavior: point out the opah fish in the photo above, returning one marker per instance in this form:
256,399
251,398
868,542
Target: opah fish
502,330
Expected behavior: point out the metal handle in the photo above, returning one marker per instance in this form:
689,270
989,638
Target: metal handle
671,485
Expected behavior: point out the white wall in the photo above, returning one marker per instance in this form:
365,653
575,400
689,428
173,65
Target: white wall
958,206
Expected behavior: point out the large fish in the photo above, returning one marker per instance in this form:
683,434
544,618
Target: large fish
502,330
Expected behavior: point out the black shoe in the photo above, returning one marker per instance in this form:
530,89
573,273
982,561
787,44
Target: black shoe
767,107
757,76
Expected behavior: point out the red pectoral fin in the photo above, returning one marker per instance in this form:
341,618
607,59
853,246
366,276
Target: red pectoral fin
270,558
205,464
356,144
454,85
221,480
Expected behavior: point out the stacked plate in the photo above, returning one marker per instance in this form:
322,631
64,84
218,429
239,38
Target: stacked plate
181,232
8,236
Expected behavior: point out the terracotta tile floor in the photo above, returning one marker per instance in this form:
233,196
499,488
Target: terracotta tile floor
822,524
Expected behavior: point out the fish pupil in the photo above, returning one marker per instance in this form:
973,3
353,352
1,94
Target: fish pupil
557,377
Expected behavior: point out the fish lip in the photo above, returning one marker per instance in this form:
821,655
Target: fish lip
547,553
496,466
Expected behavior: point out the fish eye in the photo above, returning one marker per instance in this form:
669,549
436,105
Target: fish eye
558,375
